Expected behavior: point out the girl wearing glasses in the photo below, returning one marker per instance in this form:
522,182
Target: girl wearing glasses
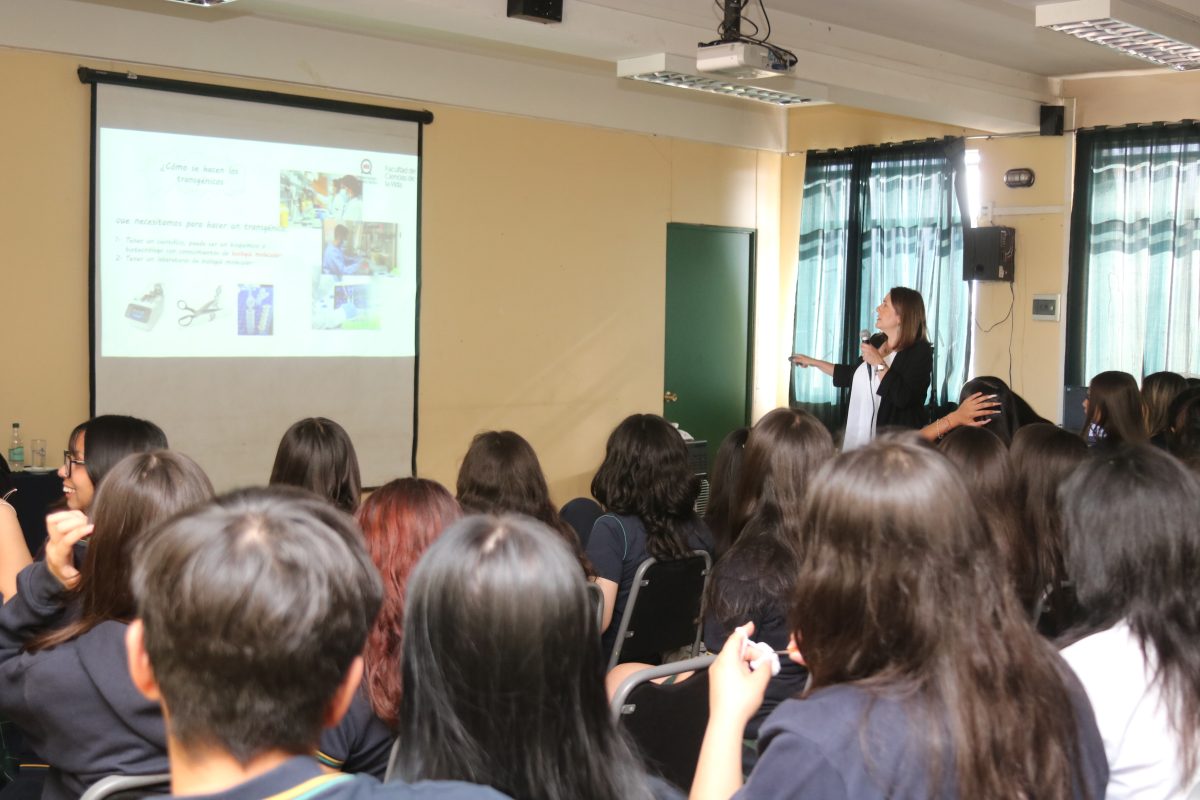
64,678
96,446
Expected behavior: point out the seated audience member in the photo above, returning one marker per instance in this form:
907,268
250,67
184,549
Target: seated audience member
63,675
648,492
1007,410
927,679
1113,411
251,614
1183,438
755,579
1043,457
975,409
1133,548
14,554
399,521
316,454
95,447
722,485
1158,390
500,474
503,683
982,461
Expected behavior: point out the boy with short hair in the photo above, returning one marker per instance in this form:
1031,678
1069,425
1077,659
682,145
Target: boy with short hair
252,612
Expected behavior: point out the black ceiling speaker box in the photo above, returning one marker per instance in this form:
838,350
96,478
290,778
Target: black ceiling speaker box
1052,119
989,253
536,10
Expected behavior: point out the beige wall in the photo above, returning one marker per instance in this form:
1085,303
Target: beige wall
1040,215
1154,96
543,267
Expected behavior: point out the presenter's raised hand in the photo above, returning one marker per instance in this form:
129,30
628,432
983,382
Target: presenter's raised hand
66,529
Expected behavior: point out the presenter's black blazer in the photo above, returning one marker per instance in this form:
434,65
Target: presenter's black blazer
903,390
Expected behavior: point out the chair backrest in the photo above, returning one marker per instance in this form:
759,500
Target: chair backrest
663,609
666,721
596,595
128,787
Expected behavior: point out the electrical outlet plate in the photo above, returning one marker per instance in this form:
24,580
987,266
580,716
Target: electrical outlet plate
1045,307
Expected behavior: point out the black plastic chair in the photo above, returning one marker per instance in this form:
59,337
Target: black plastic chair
662,613
596,595
666,721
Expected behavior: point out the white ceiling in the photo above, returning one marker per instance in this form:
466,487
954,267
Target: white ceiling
979,64
996,32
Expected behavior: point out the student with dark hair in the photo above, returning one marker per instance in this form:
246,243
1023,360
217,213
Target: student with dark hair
722,488
503,683
1133,548
1043,457
982,461
890,383
399,520
316,454
63,676
95,446
927,680
1183,438
501,474
1009,410
975,409
648,491
1158,390
755,579
1113,411
252,612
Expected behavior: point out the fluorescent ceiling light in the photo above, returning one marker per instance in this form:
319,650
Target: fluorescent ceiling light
680,72
1131,29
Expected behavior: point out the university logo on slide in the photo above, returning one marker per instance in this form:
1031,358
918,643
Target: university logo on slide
365,166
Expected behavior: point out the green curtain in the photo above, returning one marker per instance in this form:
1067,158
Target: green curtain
821,280
1134,298
874,218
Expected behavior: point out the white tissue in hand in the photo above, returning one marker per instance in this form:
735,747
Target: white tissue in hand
766,655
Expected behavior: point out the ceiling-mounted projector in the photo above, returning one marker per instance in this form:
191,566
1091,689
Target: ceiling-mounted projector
739,60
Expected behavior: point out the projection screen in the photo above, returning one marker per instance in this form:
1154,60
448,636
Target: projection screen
255,263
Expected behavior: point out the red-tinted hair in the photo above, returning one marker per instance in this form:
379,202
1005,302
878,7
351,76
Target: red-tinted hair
400,520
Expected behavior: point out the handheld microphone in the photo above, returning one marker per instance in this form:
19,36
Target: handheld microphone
864,336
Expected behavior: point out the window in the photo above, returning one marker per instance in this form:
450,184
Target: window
1134,295
874,218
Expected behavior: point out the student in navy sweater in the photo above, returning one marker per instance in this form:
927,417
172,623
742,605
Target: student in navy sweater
927,680
63,677
252,613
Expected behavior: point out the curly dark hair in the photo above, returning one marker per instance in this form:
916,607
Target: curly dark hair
645,474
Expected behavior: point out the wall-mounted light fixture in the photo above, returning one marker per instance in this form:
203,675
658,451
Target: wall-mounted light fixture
1019,178
1153,34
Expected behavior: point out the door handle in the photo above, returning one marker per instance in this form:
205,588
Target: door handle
670,397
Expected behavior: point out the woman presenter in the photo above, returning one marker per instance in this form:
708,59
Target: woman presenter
890,383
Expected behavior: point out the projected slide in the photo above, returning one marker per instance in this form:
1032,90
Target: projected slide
230,247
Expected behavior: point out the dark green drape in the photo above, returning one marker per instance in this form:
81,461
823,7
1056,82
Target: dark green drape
874,218
1133,302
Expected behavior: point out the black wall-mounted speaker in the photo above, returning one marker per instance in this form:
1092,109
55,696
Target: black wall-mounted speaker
989,253
1052,120
543,11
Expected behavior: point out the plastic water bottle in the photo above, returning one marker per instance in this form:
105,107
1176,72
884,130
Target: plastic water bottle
16,450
